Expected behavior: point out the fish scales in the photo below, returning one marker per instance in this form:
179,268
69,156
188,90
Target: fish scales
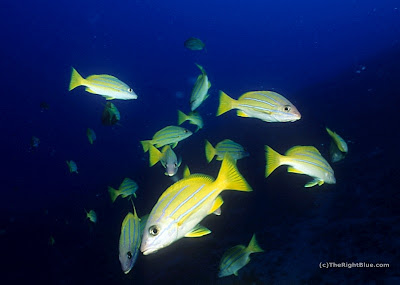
232,256
184,198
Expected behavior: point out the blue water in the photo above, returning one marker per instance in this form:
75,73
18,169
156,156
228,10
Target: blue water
336,61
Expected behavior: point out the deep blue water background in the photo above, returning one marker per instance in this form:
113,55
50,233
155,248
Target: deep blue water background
312,52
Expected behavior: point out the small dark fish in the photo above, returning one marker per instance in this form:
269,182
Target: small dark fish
110,115
44,106
35,142
194,44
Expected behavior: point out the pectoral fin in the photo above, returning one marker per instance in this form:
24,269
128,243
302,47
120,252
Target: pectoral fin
198,231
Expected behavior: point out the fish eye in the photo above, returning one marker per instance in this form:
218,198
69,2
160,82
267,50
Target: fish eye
175,164
154,230
185,130
287,108
130,90
129,254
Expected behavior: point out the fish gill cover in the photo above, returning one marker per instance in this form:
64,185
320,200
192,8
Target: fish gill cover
336,62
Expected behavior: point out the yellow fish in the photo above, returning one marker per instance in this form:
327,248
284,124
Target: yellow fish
235,150
184,204
91,135
168,135
92,216
335,153
167,157
194,118
110,115
72,166
267,106
129,241
194,44
127,188
105,85
341,144
237,257
302,160
200,89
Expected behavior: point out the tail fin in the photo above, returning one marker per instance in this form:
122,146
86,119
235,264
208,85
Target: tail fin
253,245
225,103
113,193
76,79
273,160
181,117
229,176
155,155
210,151
145,145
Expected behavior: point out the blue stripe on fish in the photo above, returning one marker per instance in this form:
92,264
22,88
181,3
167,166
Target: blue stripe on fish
187,199
261,101
196,205
312,163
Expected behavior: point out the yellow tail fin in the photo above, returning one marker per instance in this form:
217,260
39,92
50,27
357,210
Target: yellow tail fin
155,155
225,103
210,151
113,193
76,79
273,160
253,245
229,176
181,117
145,145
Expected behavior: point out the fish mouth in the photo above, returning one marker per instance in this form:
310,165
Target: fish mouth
127,271
148,251
297,115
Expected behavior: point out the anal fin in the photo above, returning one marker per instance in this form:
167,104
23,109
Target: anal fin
240,113
294,170
314,182
216,207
